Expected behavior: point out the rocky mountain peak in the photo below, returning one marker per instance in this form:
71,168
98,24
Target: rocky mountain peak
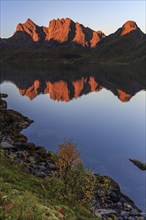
63,30
59,23
100,33
30,28
59,30
128,27
29,24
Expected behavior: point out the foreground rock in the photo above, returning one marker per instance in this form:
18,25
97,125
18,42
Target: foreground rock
109,202
139,164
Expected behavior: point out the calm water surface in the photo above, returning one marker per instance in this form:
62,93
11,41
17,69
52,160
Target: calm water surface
107,126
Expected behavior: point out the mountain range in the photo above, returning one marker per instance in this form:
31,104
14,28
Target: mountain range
66,41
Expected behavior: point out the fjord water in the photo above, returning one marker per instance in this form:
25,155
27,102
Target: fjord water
100,109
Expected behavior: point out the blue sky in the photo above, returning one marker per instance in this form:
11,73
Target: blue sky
103,15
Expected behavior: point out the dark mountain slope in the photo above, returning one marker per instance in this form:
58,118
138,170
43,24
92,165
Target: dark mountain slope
127,44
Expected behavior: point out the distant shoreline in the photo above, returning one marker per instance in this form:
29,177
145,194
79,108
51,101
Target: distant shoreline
75,62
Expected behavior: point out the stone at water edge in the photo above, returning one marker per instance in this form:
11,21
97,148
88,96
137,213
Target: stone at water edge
139,164
3,95
3,104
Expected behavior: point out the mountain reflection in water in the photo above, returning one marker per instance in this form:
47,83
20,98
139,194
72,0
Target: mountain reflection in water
64,84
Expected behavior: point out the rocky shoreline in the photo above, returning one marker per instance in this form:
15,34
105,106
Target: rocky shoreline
109,202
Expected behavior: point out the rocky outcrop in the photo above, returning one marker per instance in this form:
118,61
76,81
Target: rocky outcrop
27,35
80,37
96,38
129,30
33,158
127,45
111,203
60,30
139,164
30,28
128,27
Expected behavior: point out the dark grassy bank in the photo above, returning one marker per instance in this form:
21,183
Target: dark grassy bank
65,55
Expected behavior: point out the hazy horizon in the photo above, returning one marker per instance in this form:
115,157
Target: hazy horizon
106,16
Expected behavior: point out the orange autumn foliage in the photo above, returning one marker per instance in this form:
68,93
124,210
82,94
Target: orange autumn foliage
68,157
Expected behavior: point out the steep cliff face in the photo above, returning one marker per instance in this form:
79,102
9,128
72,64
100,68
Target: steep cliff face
80,36
67,31
59,31
96,38
37,34
30,28
27,35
